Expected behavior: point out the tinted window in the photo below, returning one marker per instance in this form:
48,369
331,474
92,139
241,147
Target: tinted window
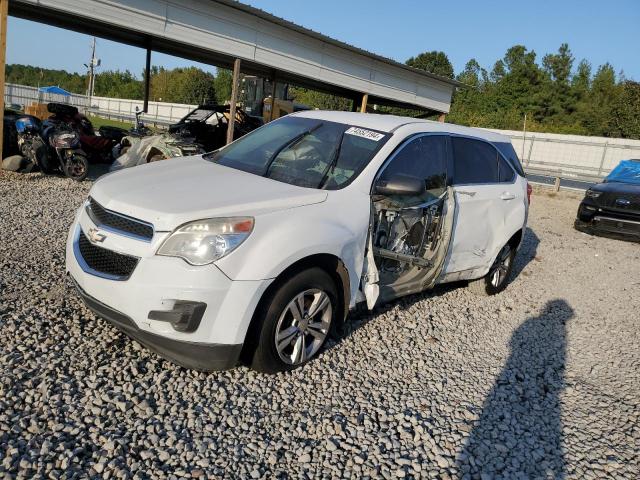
426,158
506,172
475,161
510,154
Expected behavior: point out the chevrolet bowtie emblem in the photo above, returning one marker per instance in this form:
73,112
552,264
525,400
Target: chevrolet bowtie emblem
95,236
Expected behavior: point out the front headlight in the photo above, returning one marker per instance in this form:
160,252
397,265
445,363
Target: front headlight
205,241
592,194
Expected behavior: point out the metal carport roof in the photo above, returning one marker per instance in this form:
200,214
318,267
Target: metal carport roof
218,31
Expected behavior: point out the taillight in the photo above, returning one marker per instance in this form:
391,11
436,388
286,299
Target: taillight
529,192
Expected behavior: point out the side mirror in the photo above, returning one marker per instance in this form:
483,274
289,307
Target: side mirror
400,184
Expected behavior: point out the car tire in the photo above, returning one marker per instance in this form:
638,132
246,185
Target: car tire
498,277
14,163
77,167
283,339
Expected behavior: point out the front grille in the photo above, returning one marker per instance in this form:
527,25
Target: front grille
120,223
106,262
617,225
609,199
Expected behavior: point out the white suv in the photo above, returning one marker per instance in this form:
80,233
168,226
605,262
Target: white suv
258,250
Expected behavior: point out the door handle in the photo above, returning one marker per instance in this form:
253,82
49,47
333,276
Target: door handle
507,196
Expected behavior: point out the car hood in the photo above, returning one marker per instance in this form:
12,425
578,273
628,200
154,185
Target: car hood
617,187
172,192
618,196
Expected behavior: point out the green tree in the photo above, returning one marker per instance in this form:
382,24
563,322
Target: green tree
223,84
581,81
319,100
596,112
625,111
433,62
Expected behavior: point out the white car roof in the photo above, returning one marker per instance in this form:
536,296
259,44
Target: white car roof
388,123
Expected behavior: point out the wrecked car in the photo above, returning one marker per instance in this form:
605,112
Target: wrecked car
202,130
257,251
613,206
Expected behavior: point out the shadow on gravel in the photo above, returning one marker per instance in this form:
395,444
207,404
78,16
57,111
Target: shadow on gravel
519,433
96,171
526,253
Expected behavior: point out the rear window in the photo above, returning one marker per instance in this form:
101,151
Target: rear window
509,153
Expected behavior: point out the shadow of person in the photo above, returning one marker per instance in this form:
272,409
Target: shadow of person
519,432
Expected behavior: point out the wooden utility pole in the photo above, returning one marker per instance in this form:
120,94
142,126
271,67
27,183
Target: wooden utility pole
363,106
4,10
274,81
234,100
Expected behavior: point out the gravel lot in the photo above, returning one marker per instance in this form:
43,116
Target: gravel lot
540,381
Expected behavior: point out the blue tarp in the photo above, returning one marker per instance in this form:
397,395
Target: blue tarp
627,171
54,89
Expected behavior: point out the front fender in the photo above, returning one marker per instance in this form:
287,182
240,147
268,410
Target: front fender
282,238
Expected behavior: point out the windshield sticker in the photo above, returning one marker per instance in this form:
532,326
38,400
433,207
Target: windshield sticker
361,132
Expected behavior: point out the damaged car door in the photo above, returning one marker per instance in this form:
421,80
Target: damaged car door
411,227
489,206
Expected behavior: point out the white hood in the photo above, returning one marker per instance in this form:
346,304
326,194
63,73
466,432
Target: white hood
170,193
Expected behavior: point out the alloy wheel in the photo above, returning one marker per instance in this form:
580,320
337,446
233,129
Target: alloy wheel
500,268
303,326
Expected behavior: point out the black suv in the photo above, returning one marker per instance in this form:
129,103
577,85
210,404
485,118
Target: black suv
613,206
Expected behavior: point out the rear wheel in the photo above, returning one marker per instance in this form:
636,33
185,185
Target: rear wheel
76,167
294,322
496,280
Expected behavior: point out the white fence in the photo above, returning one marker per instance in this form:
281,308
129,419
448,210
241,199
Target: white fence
25,95
571,156
160,113
566,156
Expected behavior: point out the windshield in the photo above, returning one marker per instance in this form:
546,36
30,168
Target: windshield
198,115
304,152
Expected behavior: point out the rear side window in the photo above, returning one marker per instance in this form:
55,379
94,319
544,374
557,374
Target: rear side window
507,174
474,161
510,154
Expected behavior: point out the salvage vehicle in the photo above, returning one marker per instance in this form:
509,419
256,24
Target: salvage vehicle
256,251
613,206
202,130
97,148
52,147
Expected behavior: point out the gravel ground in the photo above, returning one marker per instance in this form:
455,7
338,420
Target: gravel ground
541,381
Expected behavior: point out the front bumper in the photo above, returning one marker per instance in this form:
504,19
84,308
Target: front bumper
144,304
592,219
199,356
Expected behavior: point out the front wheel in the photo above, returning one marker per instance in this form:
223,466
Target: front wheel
496,280
294,322
76,167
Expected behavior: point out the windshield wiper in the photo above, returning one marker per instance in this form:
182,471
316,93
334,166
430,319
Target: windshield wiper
289,144
332,163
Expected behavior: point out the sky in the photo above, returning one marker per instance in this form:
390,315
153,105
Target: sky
600,31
